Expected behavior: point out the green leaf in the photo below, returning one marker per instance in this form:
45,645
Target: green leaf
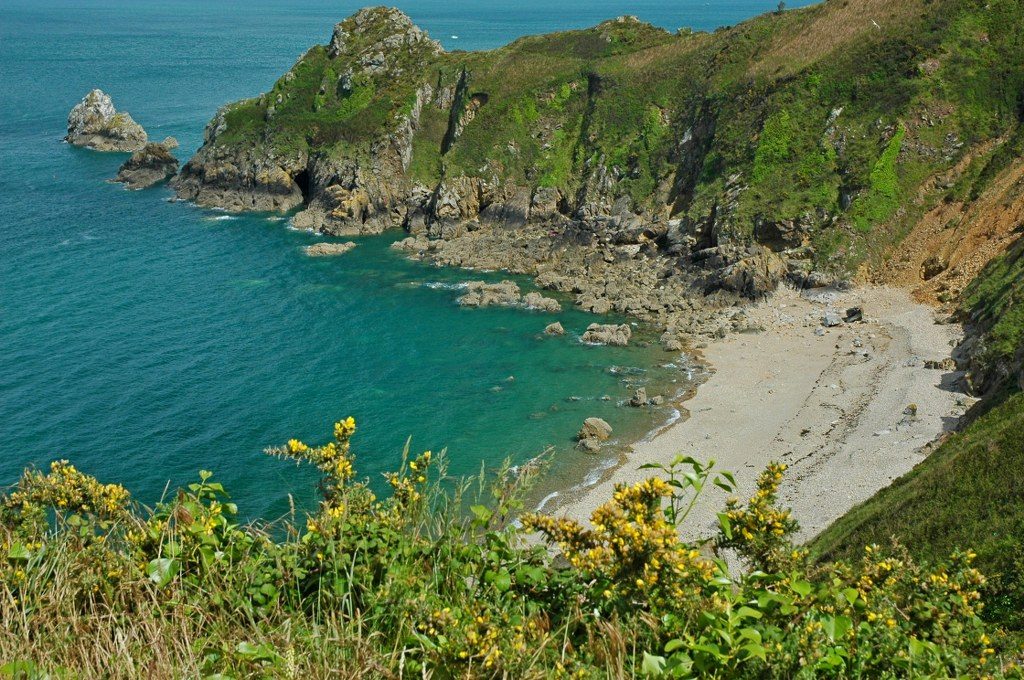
162,570
18,552
482,513
503,581
755,651
801,588
673,645
851,595
652,665
723,521
748,613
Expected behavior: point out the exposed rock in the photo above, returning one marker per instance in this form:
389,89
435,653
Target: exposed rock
947,364
589,445
670,341
932,267
853,315
831,319
535,300
328,249
595,428
482,294
656,400
639,398
554,329
154,163
608,334
96,124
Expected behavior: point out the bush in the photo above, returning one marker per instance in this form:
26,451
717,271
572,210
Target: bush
427,582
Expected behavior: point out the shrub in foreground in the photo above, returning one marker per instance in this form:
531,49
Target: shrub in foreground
417,585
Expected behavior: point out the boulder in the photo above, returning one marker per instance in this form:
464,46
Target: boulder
831,318
656,400
96,124
482,294
151,165
328,249
589,445
545,304
595,428
554,329
608,334
639,398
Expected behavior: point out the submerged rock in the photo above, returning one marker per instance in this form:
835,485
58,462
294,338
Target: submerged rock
153,164
328,249
96,124
608,334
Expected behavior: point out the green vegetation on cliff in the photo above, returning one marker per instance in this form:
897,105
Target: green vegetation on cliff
815,127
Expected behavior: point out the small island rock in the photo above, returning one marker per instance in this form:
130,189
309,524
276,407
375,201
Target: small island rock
554,329
608,334
96,124
152,164
328,249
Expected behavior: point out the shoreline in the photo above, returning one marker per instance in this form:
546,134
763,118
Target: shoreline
833,403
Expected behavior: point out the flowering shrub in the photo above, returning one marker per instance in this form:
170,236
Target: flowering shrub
425,582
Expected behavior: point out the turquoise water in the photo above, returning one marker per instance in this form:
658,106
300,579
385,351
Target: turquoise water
146,339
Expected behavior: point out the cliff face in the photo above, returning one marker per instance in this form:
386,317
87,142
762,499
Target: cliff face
800,144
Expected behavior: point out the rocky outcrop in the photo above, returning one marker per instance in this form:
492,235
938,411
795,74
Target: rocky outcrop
537,301
153,164
608,334
328,249
482,294
593,432
554,329
95,123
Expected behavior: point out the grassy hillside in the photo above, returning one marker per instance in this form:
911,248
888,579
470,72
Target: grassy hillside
812,130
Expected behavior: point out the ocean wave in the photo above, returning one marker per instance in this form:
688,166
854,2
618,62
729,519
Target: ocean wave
220,218
443,285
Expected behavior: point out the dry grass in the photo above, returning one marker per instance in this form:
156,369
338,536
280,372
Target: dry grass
808,35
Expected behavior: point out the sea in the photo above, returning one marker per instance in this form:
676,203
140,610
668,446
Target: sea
145,339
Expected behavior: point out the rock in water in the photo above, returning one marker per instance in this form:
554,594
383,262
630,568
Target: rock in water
608,334
544,304
554,329
153,164
639,398
595,428
482,294
327,249
96,124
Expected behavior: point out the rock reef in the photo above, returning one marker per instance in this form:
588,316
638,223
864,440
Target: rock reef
329,249
95,123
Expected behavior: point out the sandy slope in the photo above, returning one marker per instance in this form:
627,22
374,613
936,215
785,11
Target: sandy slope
831,405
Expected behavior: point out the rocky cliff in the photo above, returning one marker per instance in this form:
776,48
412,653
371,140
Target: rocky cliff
626,164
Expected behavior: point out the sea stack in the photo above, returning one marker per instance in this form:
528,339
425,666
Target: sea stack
153,164
95,123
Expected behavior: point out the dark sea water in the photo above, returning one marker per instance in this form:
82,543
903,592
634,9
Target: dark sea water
145,339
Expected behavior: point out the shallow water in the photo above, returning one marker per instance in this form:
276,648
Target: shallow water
146,339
